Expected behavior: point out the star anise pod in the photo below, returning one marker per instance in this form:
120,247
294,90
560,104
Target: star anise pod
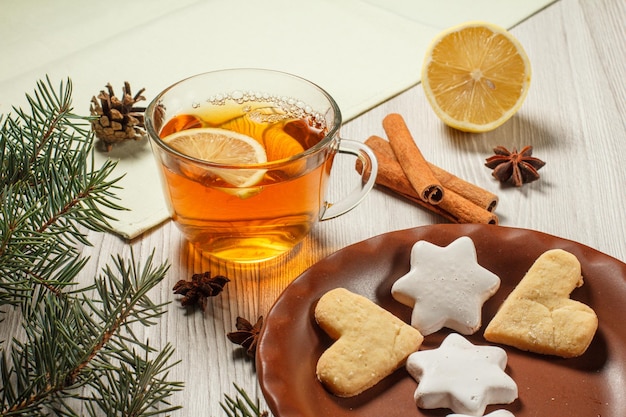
117,120
516,167
246,335
201,286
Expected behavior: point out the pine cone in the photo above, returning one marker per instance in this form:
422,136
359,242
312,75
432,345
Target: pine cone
117,120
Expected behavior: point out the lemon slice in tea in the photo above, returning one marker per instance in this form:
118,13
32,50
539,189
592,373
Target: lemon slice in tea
222,146
475,76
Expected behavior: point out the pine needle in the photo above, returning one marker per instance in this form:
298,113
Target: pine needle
242,405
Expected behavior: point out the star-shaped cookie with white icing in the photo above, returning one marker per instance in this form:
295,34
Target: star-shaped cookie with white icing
461,376
497,413
446,287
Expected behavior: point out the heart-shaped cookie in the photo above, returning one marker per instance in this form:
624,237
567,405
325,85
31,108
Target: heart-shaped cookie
370,343
539,316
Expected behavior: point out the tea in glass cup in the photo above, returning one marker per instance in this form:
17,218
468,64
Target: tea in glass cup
245,156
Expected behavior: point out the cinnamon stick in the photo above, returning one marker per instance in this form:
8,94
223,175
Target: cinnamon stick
449,181
411,160
453,207
464,211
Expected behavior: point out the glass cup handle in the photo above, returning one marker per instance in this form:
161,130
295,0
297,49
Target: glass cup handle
368,177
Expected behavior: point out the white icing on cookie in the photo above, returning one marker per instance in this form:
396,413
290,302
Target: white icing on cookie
446,287
461,376
497,413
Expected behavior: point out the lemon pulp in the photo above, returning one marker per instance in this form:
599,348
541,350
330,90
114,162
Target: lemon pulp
221,146
475,76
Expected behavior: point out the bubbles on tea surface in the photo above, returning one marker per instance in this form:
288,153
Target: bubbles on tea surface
218,99
291,107
237,95
262,116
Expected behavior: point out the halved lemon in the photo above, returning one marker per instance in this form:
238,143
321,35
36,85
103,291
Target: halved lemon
222,146
475,76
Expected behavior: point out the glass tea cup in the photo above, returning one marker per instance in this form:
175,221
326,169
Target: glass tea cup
245,157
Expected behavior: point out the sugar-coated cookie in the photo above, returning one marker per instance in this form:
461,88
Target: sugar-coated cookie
539,316
370,343
461,376
446,287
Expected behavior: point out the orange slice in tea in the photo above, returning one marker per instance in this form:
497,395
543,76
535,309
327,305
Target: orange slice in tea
475,76
266,124
280,145
255,121
245,126
223,147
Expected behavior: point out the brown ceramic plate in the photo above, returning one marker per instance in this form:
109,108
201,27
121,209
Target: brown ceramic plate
591,385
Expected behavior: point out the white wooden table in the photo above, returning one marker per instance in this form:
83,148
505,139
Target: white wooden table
574,117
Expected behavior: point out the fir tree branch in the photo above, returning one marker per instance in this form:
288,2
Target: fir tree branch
78,344
122,302
142,389
242,405
50,193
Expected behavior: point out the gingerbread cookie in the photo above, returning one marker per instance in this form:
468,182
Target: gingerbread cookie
538,316
461,376
446,287
370,343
